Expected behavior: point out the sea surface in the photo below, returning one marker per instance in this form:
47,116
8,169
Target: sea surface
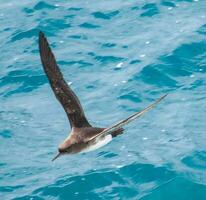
118,56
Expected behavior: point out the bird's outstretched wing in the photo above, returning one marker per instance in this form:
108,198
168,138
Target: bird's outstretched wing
126,121
62,91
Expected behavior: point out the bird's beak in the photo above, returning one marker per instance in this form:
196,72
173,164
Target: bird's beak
59,154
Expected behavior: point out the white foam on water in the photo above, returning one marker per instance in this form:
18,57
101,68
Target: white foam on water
142,55
119,65
145,138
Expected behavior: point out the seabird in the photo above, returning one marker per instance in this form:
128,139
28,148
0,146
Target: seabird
83,137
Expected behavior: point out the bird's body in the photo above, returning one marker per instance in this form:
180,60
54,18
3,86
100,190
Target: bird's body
80,146
79,139
98,143
83,136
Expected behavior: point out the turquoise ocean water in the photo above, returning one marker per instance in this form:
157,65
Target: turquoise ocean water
119,56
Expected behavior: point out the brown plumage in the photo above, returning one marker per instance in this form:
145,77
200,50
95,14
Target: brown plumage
82,135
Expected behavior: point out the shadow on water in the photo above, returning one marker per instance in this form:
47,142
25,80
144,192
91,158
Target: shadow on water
195,160
126,182
149,10
25,81
48,26
179,189
182,62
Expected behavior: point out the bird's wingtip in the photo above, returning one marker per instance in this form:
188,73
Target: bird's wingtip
41,34
165,95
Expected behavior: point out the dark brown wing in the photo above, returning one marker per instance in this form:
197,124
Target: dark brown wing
62,91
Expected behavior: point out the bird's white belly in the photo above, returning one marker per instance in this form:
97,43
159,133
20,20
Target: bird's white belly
100,143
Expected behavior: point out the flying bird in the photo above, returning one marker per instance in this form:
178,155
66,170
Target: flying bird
83,137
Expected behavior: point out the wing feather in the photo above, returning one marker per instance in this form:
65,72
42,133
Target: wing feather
126,121
62,91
